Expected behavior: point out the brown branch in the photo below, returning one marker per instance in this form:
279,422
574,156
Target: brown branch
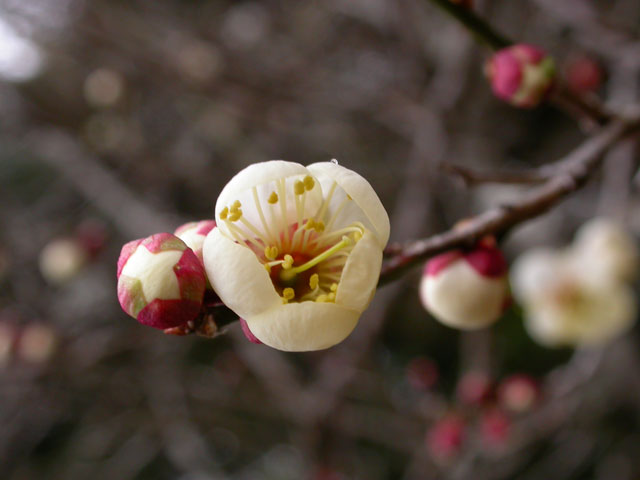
573,172
473,177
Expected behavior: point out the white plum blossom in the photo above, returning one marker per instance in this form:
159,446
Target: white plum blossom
297,251
567,301
466,289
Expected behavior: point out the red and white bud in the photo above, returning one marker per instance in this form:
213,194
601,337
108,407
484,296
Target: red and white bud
474,388
247,333
194,233
521,75
445,437
61,260
422,373
466,289
518,393
161,282
494,428
584,75
37,343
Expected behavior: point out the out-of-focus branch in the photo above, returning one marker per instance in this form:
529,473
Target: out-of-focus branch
474,177
573,172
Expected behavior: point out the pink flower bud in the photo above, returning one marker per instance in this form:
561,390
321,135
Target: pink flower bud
194,233
518,393
474,388
445,437
422,373
466,289
584,75
247,333
521,75
494,428
161,282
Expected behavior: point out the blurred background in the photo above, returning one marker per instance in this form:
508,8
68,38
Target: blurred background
122,119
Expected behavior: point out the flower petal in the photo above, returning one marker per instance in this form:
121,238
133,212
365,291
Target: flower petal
301,327
237,276
360,274
361,192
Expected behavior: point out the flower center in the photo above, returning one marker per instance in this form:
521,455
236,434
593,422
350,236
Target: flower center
304,254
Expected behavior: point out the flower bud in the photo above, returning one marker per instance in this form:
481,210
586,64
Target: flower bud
445,437
494,428
194,233
474,388
161,282
584,75
466,289
521,75
61,260
518,393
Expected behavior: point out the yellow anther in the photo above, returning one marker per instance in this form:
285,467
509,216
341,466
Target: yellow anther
309,224
309,182
357,236
321,298
314,280
267,267
224,213
288,293
273,198
288,262
235,206
349,197
235,215
334,287
298,187
331,297
318,227
271,252
347,241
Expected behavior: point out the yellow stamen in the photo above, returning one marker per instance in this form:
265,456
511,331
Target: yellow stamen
313,281
273,198
331,297
298,187
271,252
224,213
288,262
321,298
288,293
309,182
235,215
345,242
235,206
334,287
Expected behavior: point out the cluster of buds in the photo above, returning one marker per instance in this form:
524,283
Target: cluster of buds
521,75
579,296
489,409
294,251
62,259
466,289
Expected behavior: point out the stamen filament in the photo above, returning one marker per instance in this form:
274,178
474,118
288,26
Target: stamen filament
345,242
256,200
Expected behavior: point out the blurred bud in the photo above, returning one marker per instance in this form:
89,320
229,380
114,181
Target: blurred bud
91,235
583,75
609,248
247,333
518,393
422,373
445,437
61,260
466,289
103,87
194,233
521,75
198,61
161,282
494,428
37,343
474,388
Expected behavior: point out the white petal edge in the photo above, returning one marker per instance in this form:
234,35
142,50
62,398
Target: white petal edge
362,193
360,274
253,175
303,327
237,276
